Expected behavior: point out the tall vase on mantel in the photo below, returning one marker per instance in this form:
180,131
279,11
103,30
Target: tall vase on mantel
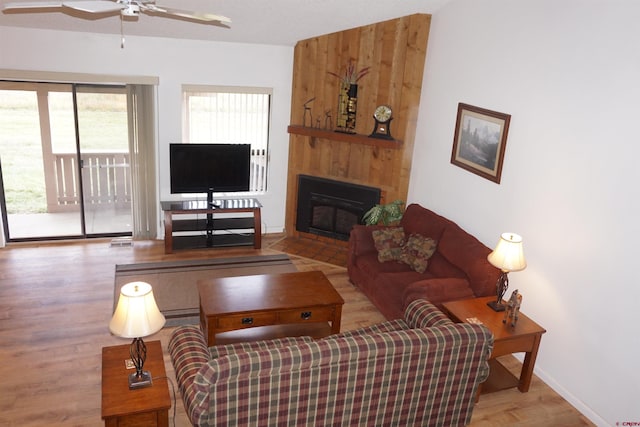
348,96
347,107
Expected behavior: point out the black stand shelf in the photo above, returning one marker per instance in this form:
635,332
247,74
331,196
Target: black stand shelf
209,231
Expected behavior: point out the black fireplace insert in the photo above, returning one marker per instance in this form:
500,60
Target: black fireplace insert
330,208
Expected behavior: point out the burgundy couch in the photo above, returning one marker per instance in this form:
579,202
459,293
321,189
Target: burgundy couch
457,270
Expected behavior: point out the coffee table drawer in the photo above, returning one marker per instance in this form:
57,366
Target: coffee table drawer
249,320
311,314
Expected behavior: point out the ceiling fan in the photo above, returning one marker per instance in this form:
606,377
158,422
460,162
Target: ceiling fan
125,8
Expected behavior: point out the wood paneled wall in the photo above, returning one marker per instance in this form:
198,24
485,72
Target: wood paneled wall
395,51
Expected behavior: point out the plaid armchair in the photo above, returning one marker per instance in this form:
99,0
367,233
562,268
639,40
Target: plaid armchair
420,371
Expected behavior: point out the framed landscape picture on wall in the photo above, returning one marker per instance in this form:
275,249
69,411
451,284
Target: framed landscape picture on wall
479,141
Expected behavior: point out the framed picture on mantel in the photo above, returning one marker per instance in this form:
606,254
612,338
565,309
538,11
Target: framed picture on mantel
479,141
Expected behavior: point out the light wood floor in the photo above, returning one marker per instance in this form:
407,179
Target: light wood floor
55,305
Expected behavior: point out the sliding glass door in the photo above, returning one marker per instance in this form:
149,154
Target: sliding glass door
104,159
64,159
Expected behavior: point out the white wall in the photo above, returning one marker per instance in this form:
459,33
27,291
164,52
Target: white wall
568,74
175,62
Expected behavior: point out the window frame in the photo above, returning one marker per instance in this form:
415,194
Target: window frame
260,151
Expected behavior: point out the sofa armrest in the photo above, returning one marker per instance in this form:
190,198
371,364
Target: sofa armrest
421,314
361,239
189,353
188,350
190,356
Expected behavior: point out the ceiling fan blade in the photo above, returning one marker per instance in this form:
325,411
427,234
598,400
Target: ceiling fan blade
32,5
200,16
95,6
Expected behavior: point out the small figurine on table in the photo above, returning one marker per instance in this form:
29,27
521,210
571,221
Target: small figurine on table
513,308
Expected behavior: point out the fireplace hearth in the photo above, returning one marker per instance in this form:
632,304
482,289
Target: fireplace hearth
331,208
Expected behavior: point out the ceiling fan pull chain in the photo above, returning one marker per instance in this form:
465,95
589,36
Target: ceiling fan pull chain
121,33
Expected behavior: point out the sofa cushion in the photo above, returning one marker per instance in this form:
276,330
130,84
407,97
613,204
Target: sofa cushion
378,328
437,290
439,266
420,220
389,243
217,351
417,250
386,291
371,267
470,255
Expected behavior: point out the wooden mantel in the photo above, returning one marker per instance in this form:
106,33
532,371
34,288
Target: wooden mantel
343,137
395,52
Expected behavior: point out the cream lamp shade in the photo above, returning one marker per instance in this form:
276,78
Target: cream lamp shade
137,314
508,254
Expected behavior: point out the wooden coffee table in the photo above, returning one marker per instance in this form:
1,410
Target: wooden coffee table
524,337
142,407
265,306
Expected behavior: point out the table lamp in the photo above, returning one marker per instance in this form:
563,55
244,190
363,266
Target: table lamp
136,316
507,256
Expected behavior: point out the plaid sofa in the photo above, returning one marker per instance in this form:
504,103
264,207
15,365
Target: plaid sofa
423,370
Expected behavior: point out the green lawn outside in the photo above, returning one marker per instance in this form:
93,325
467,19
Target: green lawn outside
102,126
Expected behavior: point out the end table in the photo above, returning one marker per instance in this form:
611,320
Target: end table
524,337
142,407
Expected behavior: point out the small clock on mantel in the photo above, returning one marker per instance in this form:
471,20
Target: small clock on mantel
382,116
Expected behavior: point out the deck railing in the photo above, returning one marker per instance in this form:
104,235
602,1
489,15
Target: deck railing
258,182
106,179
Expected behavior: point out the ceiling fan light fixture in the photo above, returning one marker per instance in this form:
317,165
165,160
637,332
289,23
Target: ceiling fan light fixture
131,10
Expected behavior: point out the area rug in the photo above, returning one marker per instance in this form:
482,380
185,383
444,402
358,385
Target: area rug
175,283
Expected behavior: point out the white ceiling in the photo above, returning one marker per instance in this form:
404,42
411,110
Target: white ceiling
276,22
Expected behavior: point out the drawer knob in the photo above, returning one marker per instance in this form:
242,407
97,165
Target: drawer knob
247,320
305,315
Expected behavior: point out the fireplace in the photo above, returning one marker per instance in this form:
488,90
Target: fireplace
330,208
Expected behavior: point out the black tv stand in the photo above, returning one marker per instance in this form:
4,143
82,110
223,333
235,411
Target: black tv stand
211,232
210,202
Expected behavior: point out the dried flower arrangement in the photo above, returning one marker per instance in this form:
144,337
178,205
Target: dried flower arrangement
350,75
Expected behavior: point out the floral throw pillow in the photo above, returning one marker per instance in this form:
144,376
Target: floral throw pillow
389,243
417,250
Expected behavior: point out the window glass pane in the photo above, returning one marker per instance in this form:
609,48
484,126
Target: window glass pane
21,153
63,132
236,117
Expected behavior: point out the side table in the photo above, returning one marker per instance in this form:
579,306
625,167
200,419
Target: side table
524,337
142,407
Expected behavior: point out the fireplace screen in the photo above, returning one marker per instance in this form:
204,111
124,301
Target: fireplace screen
331,208
332,215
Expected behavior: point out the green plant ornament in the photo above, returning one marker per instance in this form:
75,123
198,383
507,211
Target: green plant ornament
384,214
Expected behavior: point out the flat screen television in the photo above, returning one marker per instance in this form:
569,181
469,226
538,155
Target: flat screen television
209,168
